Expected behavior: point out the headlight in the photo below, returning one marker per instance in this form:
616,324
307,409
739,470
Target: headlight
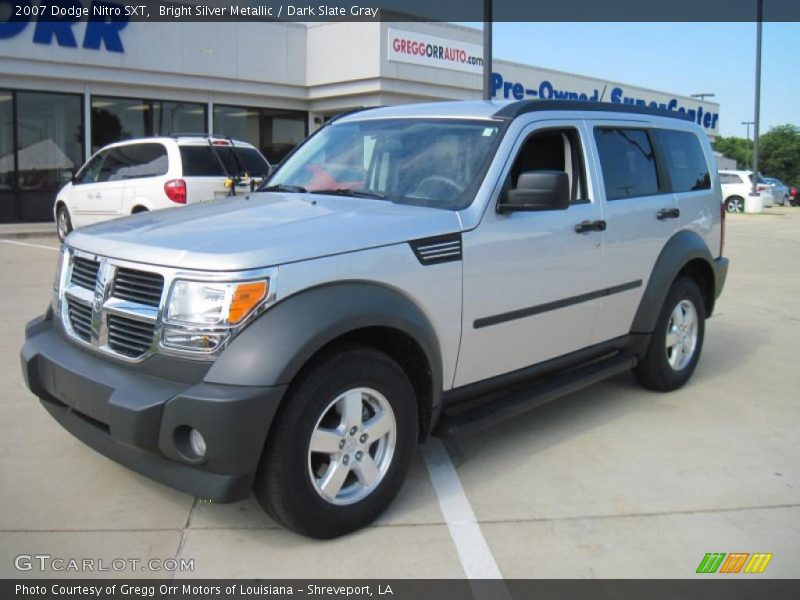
57,280
202,315
62,254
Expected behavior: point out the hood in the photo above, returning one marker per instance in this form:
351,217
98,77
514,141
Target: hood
260,230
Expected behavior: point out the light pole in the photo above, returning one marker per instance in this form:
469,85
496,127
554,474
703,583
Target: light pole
759,18
747,145
487,49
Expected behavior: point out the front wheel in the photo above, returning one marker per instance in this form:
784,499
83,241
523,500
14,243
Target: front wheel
341,446
677,340
63,222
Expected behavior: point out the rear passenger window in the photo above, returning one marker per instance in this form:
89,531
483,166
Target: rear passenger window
135,161
686,163
729,178
628,162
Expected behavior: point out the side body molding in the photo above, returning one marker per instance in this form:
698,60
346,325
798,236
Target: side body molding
272,349
679,250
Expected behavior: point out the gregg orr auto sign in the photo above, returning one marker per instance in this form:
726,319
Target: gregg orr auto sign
431,51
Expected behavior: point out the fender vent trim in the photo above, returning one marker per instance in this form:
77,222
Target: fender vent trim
438,249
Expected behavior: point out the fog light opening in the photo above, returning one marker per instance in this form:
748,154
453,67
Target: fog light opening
190,443
197,443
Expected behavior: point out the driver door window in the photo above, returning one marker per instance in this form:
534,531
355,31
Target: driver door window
553,150
90,171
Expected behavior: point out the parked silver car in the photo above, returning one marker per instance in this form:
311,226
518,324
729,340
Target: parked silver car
780,191
407,270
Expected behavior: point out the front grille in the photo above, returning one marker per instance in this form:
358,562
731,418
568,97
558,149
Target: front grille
80,318
138,286
129,337
84,272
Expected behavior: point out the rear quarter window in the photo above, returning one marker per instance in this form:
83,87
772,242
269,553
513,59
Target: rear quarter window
686,162
628,162
204,161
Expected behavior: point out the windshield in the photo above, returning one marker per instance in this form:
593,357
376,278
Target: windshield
431,162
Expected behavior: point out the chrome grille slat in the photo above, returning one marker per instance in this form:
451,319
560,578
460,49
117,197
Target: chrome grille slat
138,286
80,317
122,333
129,337
84,272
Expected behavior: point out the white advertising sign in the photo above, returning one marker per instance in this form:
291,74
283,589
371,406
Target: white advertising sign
432,51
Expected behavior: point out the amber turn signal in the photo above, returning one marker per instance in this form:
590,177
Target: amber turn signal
245,298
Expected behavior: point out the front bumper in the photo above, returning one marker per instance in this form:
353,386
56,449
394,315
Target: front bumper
720,274
141,420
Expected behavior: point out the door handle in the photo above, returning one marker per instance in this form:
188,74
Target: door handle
586,226
97,195
668,213
89,196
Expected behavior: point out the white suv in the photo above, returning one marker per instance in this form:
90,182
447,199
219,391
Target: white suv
150,173
736,186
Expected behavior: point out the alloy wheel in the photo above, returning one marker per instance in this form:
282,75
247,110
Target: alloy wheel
352,446
682,330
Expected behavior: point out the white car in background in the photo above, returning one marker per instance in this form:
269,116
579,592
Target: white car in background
736,186
160,172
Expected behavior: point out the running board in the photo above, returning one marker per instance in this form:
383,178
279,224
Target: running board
453,423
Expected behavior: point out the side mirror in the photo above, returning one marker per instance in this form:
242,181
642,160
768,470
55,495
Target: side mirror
67,176
537,190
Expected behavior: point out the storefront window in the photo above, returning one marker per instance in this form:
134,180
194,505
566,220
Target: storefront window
116,119
6,140
280,132
238,123
170,118
274,132
49,139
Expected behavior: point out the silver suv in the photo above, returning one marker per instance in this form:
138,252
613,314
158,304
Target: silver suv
407,270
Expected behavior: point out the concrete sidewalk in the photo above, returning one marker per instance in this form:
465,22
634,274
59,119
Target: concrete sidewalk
23,230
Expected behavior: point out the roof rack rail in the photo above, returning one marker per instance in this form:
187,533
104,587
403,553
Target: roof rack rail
192,134
515,109
347,113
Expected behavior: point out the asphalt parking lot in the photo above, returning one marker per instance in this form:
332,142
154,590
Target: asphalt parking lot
613,481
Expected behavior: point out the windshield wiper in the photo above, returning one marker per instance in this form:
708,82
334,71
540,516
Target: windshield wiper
360,193
282,187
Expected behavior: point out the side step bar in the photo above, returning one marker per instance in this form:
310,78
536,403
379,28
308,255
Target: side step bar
453,423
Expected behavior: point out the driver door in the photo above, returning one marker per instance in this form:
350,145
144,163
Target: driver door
532,284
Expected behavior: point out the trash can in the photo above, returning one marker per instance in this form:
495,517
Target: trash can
753,204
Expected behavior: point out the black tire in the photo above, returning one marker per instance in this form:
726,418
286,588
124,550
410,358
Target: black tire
283,484
139,209
654,370
63,222
734,204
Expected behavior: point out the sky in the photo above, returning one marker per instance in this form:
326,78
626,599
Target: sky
681,58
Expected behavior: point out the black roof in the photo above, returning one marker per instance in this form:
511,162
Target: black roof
515,109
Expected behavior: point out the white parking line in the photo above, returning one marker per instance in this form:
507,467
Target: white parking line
15,243
473,551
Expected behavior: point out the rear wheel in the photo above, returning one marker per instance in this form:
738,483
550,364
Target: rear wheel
677,340
342,445
734,204
63,222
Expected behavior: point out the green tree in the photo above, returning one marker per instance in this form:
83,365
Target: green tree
739,149
779,153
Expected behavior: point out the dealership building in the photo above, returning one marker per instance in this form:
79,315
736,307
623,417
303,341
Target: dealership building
67,89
